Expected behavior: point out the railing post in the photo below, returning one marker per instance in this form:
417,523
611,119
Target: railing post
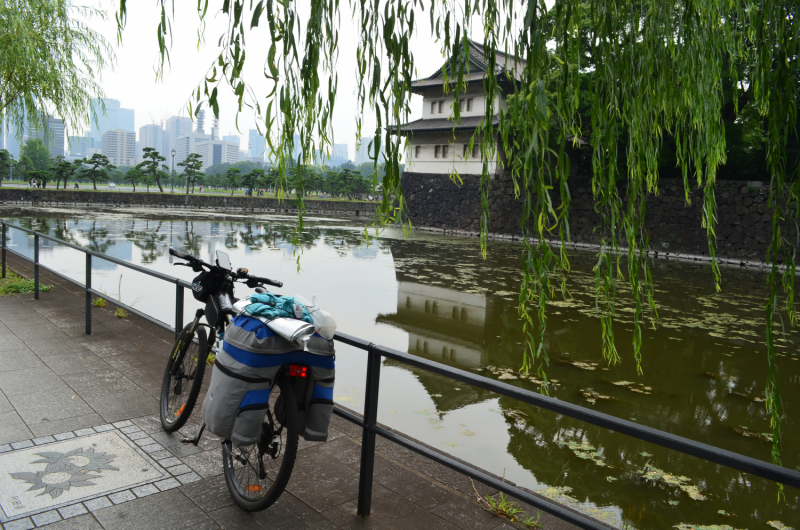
178,309
368,434
4,250
88,294
36,266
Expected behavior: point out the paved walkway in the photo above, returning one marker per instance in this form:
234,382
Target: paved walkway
93,401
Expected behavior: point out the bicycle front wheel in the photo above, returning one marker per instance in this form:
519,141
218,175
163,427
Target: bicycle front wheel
183,378
257,474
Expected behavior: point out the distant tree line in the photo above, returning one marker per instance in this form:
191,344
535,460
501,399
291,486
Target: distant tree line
35,163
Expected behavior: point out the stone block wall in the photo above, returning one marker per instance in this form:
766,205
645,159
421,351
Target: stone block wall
177,200
743,228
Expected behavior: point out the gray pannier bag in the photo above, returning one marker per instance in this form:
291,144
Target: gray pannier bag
237,399
245,370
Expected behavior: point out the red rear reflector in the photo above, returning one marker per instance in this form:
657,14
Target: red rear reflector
297,371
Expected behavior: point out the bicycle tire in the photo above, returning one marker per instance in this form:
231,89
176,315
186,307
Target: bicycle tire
174,412
252,496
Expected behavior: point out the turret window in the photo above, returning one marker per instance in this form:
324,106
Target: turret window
417,150
433,107
436,151
469,105
445,149
441,106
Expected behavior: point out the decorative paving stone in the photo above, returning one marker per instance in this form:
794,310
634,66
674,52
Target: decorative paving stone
42,478
5,447
122,496
136,435
143,440
64,436
160,455
97,504
130,429
181,469
84,432
43,440
144,491
46,518
72,511
20,524
22,445
104,428
188,478
168,462
152,448
121,424
168,484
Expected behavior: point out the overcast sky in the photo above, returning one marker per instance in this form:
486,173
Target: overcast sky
133,80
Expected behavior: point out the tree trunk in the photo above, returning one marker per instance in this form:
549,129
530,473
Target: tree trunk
134,186
94,183
158,181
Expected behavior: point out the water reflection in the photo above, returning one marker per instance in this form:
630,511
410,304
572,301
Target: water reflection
704,367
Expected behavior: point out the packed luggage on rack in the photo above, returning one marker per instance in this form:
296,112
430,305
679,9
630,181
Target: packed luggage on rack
271,333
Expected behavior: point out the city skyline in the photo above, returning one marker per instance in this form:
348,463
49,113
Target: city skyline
163,136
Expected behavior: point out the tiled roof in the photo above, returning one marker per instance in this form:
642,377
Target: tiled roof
443,124
477,67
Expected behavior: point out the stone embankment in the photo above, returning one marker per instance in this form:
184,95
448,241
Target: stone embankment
83,198
743,228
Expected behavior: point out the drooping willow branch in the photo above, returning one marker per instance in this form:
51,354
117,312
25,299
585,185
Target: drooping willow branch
618,77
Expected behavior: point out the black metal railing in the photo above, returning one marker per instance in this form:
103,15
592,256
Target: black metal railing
369,421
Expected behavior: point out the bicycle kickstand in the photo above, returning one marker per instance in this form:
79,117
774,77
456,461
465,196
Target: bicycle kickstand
196,440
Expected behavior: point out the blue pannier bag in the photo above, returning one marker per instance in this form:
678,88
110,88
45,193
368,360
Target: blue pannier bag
244,374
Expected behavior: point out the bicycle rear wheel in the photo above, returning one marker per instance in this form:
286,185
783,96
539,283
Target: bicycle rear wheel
183,378
257,474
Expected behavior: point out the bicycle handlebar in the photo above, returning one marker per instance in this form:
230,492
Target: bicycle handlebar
274,283
196,261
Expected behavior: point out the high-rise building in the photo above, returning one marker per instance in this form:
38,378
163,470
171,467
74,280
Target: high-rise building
151,136
13,142
201,121
79,145
297,148
339,155
51,134
54,136
365,151
232,138
126,119
188,144
175,128
114,117
257,144
120,147
217,152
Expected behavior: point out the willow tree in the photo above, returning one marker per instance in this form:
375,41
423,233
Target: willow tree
50,61
657,69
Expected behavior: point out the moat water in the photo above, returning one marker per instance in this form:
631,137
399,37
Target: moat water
705,365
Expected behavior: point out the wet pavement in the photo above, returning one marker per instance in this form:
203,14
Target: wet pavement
93,400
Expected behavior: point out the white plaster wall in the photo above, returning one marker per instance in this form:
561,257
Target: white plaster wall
427,162
474,91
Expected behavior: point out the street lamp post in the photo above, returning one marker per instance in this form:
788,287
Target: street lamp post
10,167
173,171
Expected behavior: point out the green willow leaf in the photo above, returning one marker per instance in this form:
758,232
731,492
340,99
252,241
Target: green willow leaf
611,82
